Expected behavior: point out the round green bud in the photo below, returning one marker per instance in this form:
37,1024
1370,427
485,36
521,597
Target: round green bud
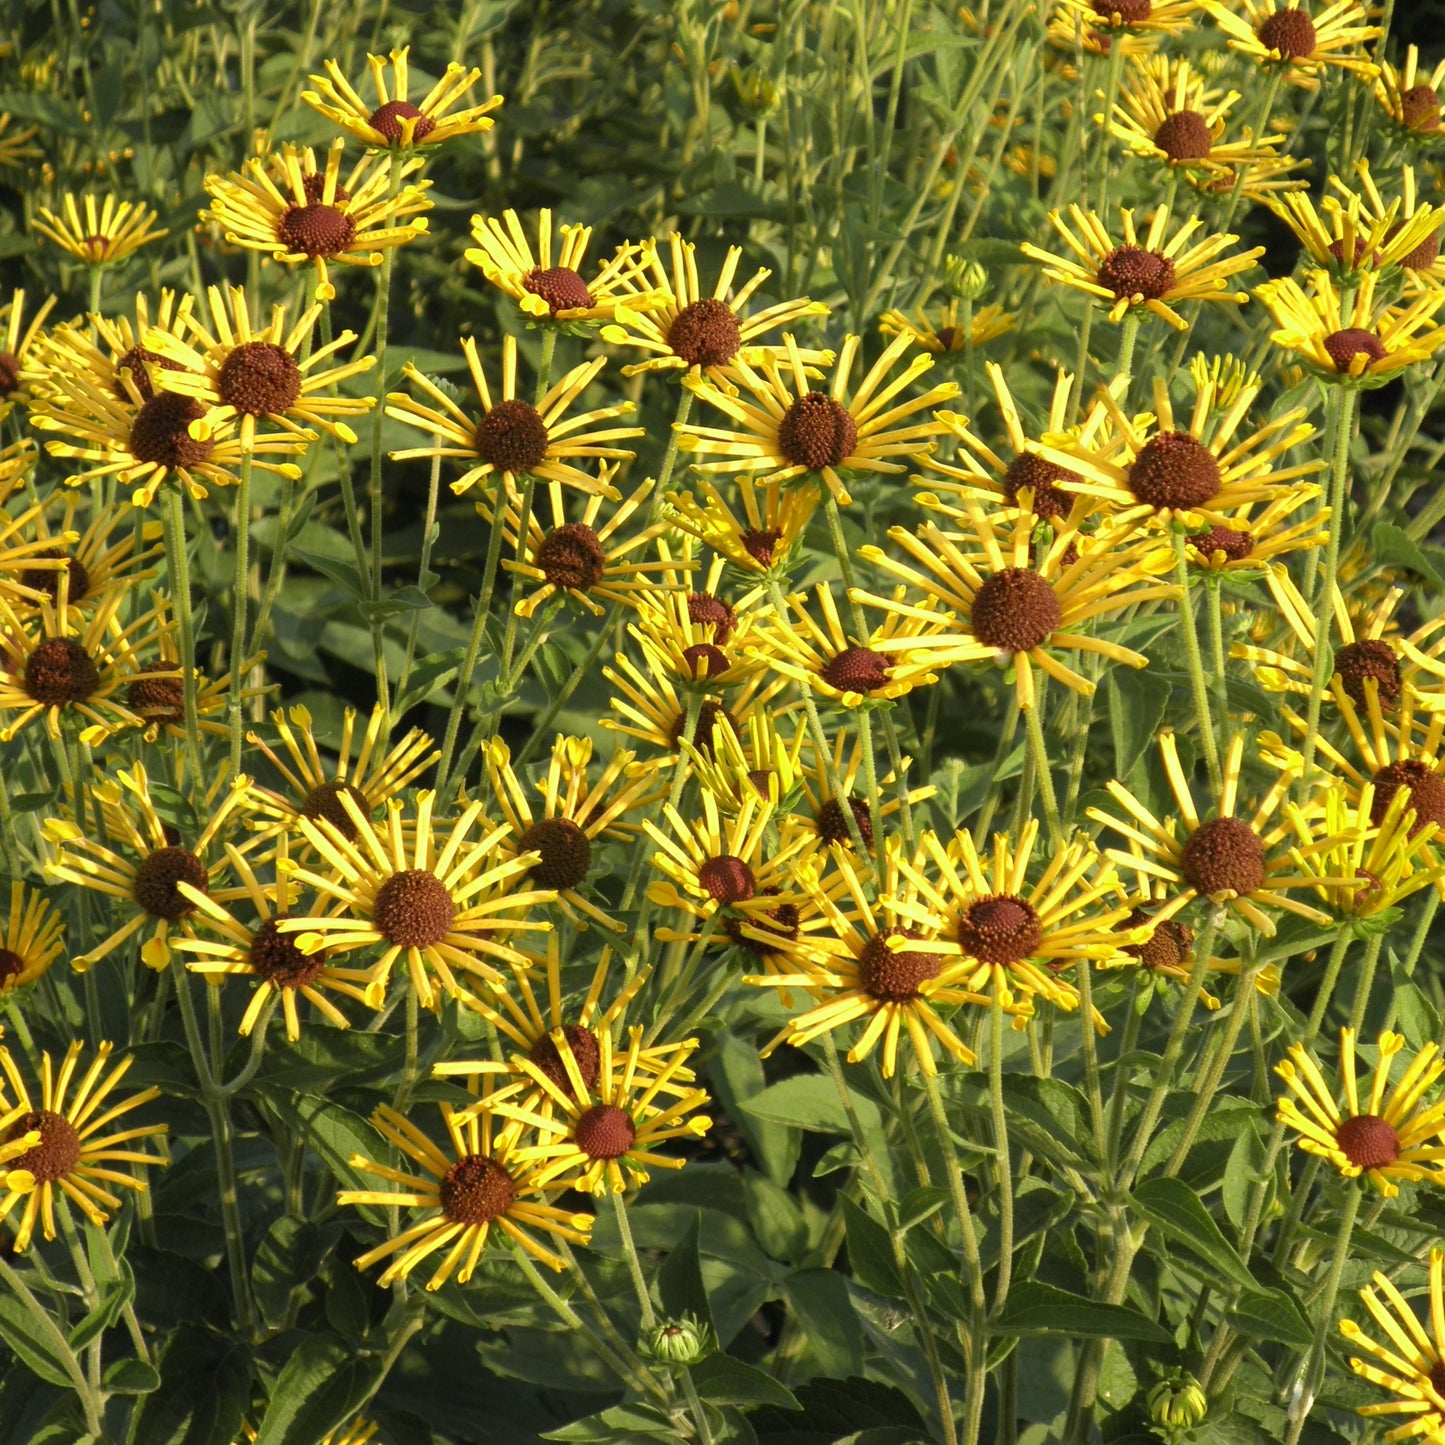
1177,1402
681,1341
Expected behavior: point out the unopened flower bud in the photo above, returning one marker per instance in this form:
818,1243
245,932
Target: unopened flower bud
968,280
757,91
1178,1402
681,1341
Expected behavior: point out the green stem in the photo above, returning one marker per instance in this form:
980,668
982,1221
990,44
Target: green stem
1212,589
1003,1176
241,541
173,518
1196,665
1327,985
59,1347
634,1263
695,1406
1364,983
1042,771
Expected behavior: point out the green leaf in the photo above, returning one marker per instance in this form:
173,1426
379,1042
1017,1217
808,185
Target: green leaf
334,1133
404,599
810,1101
679,1281
320,1388
1177,1212
1271,1315
1040,1309
1137,700
870,1253
622,1424
737,1075
778,1223
131,1377
287,1260
1419,1021
113,1300
818,1300
427,676
726,1381
1225,1121
43,1350
1394,545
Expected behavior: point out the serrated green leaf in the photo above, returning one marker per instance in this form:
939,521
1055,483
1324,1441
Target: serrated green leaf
725,1381
37,1345
1033,1308
870,1254
1271,1315
1178,1213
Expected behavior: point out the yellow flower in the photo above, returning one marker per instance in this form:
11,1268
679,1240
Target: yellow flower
1295,40
16,341
1393,1137
1410,98
1143,271
948,335
465,1191
396,121
1256,535
512,438
761,535
32,938
697,638
74,1155
15,147
819,799
1422,265
1363,232
1134,17
1074,27
106,234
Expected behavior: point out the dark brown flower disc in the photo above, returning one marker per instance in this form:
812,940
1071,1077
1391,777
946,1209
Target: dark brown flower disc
58,1151
1343,346
565,849
705,610
512,436
1420,108
314,189
832,822
1175,469
702,660
1015,610
1370,658
160,432
1337,250
58,671
1367,1141
12,965
156,693
586,1054
894,977
324,801
156,877
605,1132
1427,792
276,958
1000,929
1132,271
706,333
571,556
1167,947
817,432
1184,137
710,716
47,579
760,545
316,230
1236,546
1424,256
780,923
560,287
387,119
413,909
9,373
726,879
135,361
259,377
1437,1378
1124,12
1033,472
857,669
476,1190
1223,855
1291,33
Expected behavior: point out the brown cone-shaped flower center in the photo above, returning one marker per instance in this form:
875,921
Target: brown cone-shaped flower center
387,120
572,556
817,432
314,189
565,849
324,801
159,434
316,230
560,287
1028,470
135,361
1368,1142
726,879
1175,469
1000,929
512,436
1235,545
761,546
1420,108
709,716
1424,256
47,579
154,888
1427,793
759,777
476,1190
1015,610
703,609
702,660
894,977
157,699
780,922
1167,947
605,1132
9,373
1357,661
1223,855
1291,32
1132,271
58,1151
832,823
857,669
59,670
1127,12
585,1054
276,958
12,965
950,338
1184,136
413,909
259,377
1343,346
705,333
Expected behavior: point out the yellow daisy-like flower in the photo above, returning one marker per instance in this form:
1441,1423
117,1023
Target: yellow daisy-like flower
1359,232
16,341
106,233
1395,1136
512,438
1256,534
260,951
1422,265
758,762
1409,97
845,758
1411,1364
1014,606
146,876
789,432
575,815
1298,37
1073,28
268,373
394,120
613,1127
946,333
762,534
685,330
15,147
1143,271
551,288
1225,858
74,1154
1135,17
31,940
302,216
696,638
447,909
475,1186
